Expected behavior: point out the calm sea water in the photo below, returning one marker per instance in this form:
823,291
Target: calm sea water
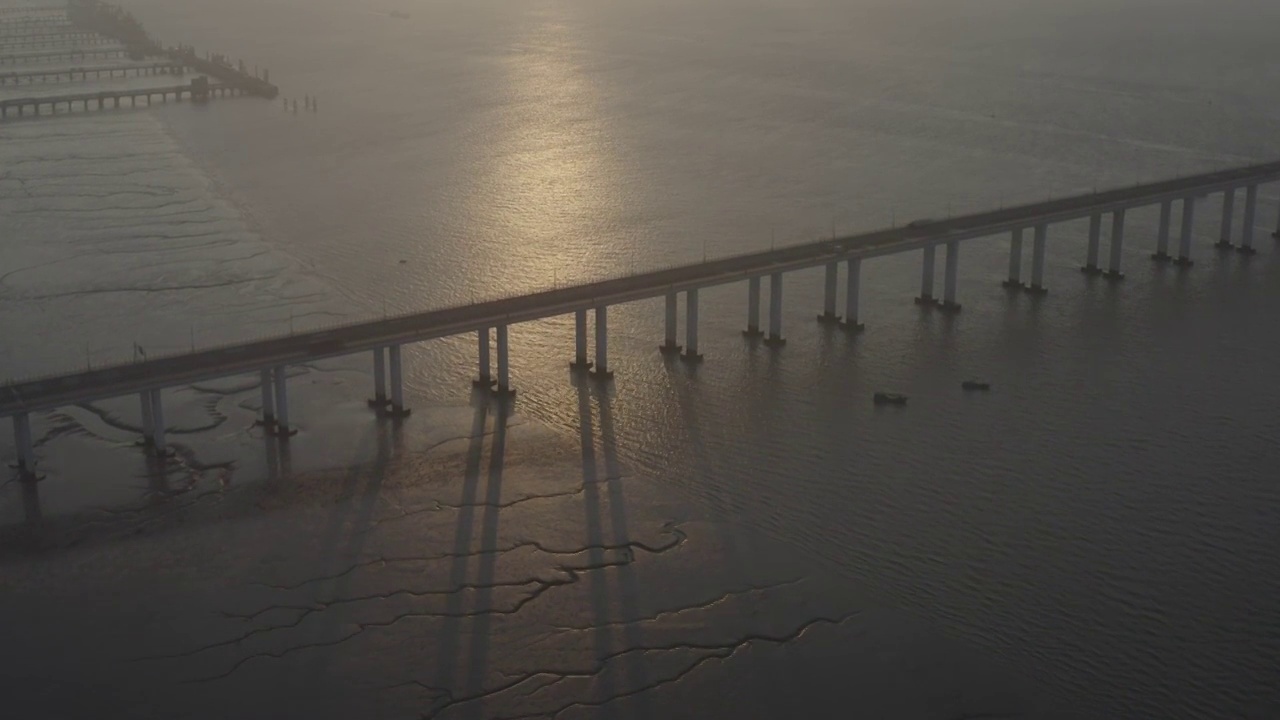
1105,518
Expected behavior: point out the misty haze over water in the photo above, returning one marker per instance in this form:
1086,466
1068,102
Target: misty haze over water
1105,520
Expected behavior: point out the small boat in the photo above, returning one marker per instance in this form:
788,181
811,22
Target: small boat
884,398
975,385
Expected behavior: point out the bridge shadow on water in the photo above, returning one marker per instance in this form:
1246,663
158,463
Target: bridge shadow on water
341,543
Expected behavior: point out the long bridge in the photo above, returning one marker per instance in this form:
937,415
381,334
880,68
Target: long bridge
198,89
28,77
490,320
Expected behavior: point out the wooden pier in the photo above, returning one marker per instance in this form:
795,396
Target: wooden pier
61,55
52,41
198,89
31,77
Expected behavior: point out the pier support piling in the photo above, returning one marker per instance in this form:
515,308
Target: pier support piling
1188,225
1228,215
22,442
1015,261
1162,235
775,312
669,346
283,430
926,278
580,361
268,413
691,354
148,422
601,371
1250,218
484,378
158,445
829,290
1090,266
396,367
1037,261
853,270
1276,234
753,308
503,388
379,399
949,278
1117,246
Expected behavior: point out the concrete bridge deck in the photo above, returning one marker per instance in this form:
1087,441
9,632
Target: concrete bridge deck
101,97
19,398
28,77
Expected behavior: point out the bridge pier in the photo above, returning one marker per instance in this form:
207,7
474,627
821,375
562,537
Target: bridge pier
601,370
829,290
691,354
1228,214
22,442
1188,224
753,308
503,388
483,377
1162,236
148,422
397,409
853,269
926,278
1276,234
268,419
949,278
282,403
158,444
1090,266
1037,261
580,361
669,346
379,399
1250,218
1117,246
775,312
1015,261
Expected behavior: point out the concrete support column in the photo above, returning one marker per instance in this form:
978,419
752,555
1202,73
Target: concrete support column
1015,261
268,419
601,370
379,379
949,277
1095,241
580,361
1037,261
282,403
775,311
397,408
829,288
1250,219
691,353
669,345
148,422
853,270
1162,237
926,278
753,308
1117,246
1228,214
484,378
1276,234
22,442
1188,225
158,444
504,364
